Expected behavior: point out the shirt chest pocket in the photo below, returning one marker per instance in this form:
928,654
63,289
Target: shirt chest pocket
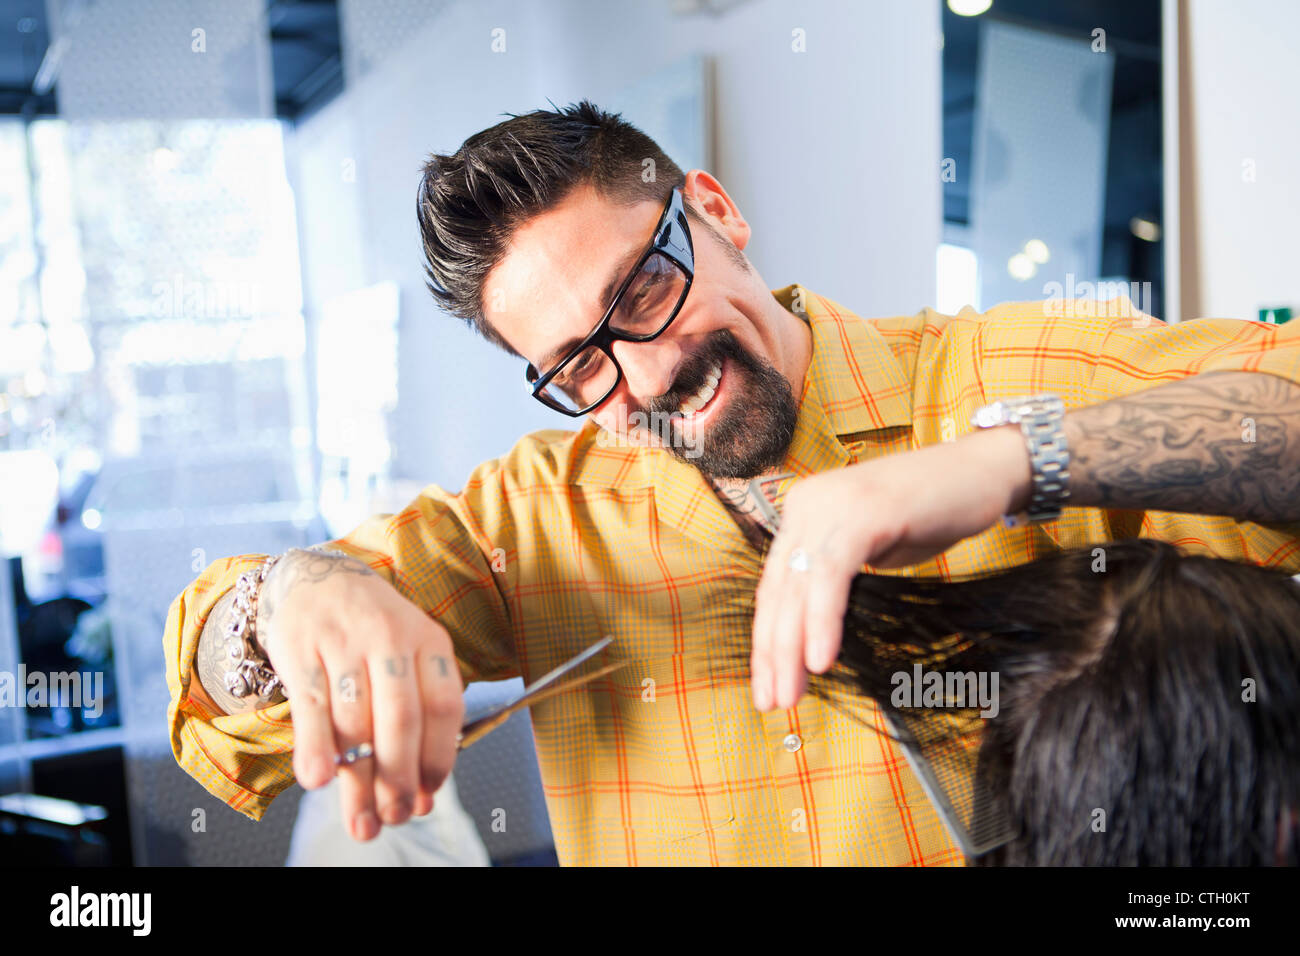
662,771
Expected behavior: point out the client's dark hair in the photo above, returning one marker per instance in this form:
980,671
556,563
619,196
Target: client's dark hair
1160,688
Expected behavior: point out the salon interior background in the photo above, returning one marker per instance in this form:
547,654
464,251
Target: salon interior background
215,336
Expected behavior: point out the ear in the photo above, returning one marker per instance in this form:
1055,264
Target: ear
713,203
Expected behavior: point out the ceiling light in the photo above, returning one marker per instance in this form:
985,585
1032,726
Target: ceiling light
1144,229
1021,266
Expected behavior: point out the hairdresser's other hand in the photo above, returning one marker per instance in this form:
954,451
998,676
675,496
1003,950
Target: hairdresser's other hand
889,513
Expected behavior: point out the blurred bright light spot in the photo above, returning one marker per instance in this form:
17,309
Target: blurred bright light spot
92,519
20,349
34,382
63,282
969,8
958,270
1037,250
17,265
80,461
164,159
30,480
189,341
1021,266
1144,229
72,350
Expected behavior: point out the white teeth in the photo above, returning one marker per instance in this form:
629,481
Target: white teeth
706,392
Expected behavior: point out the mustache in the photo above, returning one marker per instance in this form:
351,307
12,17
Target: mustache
694,373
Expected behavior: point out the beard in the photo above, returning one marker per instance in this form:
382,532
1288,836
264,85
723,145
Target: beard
748,437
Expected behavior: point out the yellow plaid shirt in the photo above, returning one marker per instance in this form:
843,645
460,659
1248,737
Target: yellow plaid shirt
662,762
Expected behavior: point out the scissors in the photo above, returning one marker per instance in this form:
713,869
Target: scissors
539,690
768,515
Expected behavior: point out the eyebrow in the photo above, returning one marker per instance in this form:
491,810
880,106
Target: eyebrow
616,276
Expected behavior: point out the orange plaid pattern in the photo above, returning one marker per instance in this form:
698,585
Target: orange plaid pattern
664,762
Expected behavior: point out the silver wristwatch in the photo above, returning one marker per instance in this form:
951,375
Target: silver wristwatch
1041,420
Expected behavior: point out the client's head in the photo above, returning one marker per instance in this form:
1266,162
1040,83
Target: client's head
1149,701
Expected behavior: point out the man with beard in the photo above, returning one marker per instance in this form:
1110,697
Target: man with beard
570,240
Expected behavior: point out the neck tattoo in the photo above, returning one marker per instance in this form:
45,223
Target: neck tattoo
738,498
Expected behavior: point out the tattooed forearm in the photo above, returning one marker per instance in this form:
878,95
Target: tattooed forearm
1225,443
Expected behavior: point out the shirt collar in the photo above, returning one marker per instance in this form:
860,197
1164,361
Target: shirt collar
854,385
854,375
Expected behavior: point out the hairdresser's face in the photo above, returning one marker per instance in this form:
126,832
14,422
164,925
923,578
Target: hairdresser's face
731,334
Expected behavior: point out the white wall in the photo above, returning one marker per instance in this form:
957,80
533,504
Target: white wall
1244,107
831,154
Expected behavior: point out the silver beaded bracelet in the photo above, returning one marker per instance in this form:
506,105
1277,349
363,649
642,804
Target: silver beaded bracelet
246,670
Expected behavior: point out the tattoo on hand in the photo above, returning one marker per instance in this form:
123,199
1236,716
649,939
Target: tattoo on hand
301,566
317,691
350,687
739,500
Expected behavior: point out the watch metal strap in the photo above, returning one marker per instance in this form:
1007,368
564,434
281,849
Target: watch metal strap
1041,419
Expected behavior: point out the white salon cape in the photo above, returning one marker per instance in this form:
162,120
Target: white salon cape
446,836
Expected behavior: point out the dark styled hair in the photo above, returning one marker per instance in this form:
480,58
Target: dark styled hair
1159,687
470,203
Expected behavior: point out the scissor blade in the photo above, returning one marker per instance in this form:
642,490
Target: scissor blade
547,692
480,727
768,514
552,676
510,706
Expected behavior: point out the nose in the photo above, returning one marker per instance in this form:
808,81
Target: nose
648,367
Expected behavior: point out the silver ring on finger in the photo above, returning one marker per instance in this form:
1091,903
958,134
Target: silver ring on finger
798,560
353,754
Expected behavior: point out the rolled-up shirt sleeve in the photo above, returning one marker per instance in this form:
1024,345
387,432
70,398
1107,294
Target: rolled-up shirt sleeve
453,555
1090,352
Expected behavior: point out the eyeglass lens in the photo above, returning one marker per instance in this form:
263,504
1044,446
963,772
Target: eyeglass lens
646,308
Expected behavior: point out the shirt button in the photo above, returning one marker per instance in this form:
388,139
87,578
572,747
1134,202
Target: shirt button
793,742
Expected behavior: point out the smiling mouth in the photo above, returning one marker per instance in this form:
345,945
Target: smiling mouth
703,398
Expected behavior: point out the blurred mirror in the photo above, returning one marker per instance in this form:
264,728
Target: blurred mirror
1053,149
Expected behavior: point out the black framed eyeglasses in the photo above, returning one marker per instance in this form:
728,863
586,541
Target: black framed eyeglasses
646,303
